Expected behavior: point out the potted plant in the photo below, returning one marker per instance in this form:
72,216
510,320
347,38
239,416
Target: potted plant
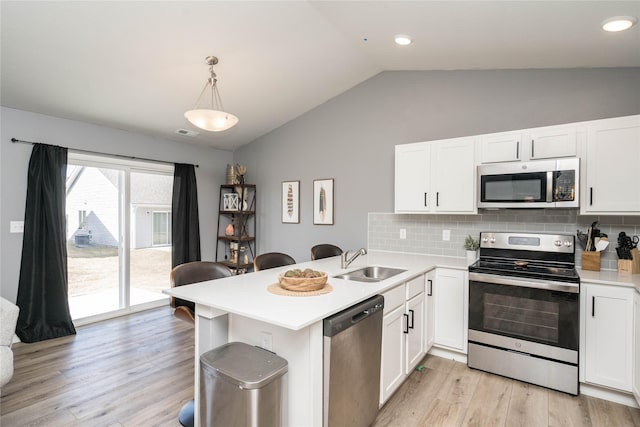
471,245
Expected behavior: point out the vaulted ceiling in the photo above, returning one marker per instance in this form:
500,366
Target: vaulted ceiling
139,66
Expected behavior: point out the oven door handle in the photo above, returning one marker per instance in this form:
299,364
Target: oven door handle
549,285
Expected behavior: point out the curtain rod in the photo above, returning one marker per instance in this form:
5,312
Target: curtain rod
14,140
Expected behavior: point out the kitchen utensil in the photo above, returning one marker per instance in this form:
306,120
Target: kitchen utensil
601,245
582,238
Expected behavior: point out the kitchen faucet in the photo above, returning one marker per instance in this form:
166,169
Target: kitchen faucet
346,261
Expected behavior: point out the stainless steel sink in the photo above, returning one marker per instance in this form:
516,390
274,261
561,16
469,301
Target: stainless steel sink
370,274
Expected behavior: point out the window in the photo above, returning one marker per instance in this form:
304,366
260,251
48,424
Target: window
82,220
161,228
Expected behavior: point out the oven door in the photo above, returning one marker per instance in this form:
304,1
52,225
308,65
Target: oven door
536,316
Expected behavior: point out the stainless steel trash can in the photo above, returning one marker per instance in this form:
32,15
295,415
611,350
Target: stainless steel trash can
241,385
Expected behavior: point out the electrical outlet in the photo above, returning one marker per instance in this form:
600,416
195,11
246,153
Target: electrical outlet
266,341
446,235
403,233
16,227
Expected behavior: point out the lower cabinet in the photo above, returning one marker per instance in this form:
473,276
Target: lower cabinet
429,308
608,335
451,302
403,336
636,346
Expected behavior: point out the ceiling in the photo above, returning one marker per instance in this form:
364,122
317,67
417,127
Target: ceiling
139,66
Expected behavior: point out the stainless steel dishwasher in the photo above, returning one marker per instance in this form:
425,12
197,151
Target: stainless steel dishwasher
352,351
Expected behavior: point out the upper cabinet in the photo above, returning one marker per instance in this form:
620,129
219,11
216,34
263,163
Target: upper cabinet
530,144
611,167
440,176
551,142
436,177
501,147
413,184
454,173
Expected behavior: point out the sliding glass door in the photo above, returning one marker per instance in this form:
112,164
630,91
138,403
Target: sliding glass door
118,235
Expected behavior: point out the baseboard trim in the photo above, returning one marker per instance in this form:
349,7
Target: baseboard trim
620,397
118,313
446,353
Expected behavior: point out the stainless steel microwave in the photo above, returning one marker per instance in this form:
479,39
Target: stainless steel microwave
535,184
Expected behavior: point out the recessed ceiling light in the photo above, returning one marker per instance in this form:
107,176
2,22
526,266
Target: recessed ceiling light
619,23
403,39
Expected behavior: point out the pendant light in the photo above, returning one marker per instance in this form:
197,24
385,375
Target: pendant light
214,119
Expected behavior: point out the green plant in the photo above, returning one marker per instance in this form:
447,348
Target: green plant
471,244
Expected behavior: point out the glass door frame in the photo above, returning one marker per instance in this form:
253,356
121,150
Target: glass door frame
126,167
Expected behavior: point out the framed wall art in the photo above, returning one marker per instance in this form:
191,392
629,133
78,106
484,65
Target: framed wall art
230,202
323,201
291,202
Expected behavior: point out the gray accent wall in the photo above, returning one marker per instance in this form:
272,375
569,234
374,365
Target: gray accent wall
351,138
14,161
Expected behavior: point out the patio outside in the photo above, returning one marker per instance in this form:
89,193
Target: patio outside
93,277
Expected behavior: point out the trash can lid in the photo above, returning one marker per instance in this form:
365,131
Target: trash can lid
245,365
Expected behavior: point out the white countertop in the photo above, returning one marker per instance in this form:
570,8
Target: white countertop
247,294
610,277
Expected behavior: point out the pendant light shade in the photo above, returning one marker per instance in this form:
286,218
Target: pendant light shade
213,119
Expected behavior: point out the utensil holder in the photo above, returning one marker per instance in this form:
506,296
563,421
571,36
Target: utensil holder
591,261
630,266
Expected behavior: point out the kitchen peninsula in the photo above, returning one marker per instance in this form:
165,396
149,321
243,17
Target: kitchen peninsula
240,308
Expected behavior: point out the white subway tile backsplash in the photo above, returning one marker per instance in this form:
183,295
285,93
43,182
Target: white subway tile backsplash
424,232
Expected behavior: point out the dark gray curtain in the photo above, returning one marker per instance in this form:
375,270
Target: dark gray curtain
185,225
42,287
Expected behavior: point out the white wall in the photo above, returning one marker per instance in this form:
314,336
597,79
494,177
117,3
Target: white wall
351,137
14,160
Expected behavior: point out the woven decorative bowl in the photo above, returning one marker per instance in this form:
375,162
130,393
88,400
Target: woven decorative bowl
302,284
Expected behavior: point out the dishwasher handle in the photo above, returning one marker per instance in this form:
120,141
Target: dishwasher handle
353,315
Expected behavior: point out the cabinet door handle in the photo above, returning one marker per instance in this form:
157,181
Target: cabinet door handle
532,146
412,319
406,323
430,287
593,306
590,196
437,198
425,200
517,150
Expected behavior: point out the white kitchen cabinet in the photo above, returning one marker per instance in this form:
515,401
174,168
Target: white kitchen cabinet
608,335
636,346
429,329
413,172
392,372
552,142
402,334
501,147
451,300
529,144
454,175
436,177
415,332
611,167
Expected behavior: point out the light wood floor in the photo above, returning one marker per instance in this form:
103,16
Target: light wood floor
138,371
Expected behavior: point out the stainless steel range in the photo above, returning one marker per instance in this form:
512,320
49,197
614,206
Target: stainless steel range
524,309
